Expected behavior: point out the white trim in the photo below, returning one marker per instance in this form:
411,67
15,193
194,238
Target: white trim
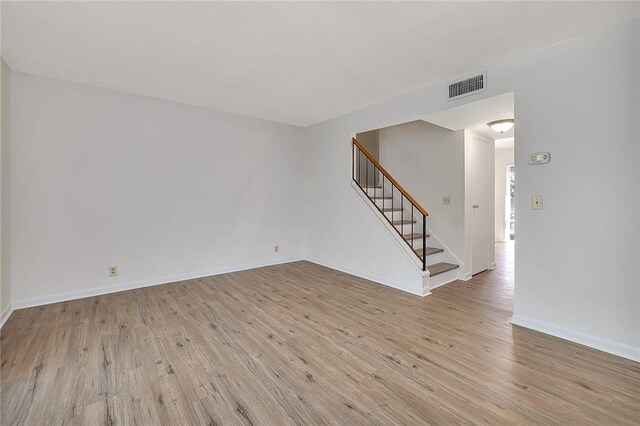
62,297
615,348
444,283
455,278
376,279
426,286
6,313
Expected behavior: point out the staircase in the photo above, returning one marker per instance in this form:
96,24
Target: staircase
404,214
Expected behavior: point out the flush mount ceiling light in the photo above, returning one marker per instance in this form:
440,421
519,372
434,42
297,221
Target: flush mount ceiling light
501,126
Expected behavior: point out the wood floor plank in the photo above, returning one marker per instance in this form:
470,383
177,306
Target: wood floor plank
302,344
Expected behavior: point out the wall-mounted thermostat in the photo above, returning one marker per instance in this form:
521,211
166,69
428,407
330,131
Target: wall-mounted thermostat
540,158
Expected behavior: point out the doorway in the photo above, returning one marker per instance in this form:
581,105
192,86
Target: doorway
482,218
509,203
505,225
479,161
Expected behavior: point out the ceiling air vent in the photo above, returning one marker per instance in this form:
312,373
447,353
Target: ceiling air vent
468,86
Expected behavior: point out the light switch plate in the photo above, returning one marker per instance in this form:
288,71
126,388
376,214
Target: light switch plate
536,202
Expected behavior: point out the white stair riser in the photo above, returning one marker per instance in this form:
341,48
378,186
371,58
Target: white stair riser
398,202
417,244
435,258
376,192
406,229
368,177
383,203
395,215
443,278
398,215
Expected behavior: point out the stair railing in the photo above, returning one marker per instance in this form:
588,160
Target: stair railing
369,174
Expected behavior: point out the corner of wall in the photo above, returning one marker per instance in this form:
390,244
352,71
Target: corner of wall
5,314
467,139
5,190
615,348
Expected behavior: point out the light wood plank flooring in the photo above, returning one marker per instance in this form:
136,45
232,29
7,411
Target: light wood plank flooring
303,344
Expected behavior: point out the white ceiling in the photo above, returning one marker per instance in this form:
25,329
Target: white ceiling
297,63
475,116
504,143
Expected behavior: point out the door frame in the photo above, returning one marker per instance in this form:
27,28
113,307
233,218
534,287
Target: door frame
469,137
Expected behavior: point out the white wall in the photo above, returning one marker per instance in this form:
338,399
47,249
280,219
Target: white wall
577,261
371,141
428,161
5,287
160,189
341,230
504,158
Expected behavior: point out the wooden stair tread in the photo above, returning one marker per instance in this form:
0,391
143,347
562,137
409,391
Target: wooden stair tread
414,236
380,197
403,222
441,268
371,186
392,209
430,251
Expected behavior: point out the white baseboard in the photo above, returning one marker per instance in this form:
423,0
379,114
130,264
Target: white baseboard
444,283
615,348
5,314
379,280
63,297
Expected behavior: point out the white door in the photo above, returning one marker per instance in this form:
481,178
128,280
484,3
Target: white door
480,208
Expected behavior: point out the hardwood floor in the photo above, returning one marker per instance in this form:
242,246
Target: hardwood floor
303,344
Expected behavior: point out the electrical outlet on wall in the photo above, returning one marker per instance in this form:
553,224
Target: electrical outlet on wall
276,249
536,202
113,271
446,200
